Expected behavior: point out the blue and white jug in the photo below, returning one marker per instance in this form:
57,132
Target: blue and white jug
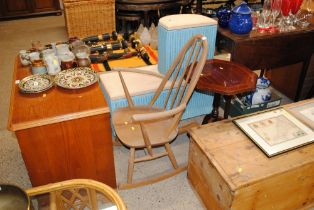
262,93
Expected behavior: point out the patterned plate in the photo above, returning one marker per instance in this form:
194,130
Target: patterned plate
35,83
76,78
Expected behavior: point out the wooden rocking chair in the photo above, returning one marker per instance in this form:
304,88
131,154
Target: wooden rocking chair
146,127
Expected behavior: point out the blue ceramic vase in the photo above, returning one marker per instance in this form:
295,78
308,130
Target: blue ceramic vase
240,20
223,15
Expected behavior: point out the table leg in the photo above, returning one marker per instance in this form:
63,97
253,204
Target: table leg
146,19
227,106
302,76
199,6
310,93
213,116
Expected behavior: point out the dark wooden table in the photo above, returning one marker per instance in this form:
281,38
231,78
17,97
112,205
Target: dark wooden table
224,78
145,6
268,51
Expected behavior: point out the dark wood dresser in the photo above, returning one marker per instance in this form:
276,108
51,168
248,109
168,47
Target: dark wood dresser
20,8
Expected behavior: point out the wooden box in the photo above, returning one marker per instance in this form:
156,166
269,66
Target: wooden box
238,108
230,172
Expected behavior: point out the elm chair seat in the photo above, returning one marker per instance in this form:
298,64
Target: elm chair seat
154,130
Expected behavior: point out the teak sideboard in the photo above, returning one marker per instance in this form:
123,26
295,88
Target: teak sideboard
63,134
230,172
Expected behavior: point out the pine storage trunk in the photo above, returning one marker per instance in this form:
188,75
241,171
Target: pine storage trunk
89,17
229,171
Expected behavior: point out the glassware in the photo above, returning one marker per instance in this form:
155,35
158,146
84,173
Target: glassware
67,61
305,15
295,7
296,4
275,11
82,53
285,11
285,7
266,14
255,19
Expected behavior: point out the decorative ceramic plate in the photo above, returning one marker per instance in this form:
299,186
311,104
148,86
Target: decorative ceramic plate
76,78
36,83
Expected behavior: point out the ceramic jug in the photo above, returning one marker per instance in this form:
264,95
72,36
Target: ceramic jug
38,67
240,20
62,49
24,57
262,93
223,15
52,63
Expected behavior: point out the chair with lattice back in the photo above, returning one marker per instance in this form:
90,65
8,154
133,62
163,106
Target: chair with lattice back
77,194
144,127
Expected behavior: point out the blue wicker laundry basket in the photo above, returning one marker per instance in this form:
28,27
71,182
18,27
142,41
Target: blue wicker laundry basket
173,32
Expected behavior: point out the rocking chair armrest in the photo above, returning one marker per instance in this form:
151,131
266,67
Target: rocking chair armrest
158,115
140,71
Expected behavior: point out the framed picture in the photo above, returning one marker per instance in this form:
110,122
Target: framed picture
275,131
304,112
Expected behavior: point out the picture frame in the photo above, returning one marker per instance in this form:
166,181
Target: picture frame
275,131
304,112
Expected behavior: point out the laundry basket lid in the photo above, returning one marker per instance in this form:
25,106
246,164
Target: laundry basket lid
181,21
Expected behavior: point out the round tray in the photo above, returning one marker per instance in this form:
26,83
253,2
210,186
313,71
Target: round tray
35,83
76,78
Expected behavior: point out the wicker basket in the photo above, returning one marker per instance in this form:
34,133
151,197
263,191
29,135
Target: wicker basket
89,17
76,194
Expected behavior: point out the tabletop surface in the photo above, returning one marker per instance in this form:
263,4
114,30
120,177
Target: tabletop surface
239,160
254,34
268,50
55,104
58,104
227,78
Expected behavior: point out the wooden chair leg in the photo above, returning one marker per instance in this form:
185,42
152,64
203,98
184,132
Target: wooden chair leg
93,198
116,141
171,156
131,164
53,201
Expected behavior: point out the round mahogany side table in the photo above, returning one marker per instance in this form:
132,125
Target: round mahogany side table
224,78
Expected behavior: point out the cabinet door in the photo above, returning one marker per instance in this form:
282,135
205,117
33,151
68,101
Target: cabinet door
45,5
14,7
